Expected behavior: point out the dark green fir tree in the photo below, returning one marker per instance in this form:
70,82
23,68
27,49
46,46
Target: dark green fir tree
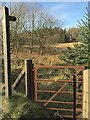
80,54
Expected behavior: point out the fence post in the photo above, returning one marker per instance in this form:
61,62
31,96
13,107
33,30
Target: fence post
86,95
29,80
6,46
74,97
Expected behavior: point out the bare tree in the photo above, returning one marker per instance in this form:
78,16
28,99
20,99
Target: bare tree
32,26
45,23
34,9
19,10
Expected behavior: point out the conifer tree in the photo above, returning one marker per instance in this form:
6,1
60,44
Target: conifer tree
80,54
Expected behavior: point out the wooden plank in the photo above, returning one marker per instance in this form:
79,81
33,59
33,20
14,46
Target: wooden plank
18,80
29,79
6,47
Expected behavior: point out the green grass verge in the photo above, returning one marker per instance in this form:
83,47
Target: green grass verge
18,107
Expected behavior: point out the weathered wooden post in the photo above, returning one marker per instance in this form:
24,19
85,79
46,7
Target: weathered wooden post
86,95
6,47
29,79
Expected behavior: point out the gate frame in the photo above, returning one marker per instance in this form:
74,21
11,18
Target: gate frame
74,90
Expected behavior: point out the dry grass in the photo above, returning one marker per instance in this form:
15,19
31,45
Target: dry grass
64,45
38,59
46,59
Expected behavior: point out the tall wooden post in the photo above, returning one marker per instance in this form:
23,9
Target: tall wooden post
6,46
86,95
29,79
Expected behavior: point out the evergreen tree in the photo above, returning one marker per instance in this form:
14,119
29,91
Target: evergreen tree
80,54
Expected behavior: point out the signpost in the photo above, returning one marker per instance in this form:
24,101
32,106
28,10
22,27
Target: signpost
6,47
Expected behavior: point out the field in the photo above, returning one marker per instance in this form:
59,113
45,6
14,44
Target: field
64,45
51,57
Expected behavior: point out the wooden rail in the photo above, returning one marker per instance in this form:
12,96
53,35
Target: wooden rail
18,80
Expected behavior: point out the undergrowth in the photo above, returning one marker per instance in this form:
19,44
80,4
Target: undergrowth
18,107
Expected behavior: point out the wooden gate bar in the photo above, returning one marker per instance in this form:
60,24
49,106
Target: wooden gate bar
18,80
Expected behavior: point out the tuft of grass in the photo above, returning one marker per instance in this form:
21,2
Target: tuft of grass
18,107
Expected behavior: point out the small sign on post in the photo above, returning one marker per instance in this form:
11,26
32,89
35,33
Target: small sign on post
12,18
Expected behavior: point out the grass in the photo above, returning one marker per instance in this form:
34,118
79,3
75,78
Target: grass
18,106
64,45
48,58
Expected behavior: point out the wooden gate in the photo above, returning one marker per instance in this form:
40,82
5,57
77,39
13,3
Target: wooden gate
60,89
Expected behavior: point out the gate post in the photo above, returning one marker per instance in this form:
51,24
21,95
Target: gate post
29,80
86,95
74,97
